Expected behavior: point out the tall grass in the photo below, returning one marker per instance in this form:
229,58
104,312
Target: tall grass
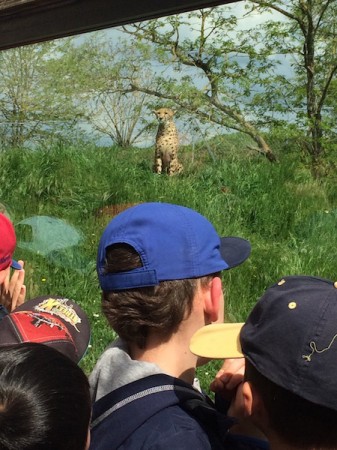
289,217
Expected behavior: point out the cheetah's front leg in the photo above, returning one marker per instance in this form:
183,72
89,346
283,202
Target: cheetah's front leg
158,164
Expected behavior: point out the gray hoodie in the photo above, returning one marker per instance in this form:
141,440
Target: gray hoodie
115,369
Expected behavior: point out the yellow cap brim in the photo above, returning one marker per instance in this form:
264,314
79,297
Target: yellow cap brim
217,341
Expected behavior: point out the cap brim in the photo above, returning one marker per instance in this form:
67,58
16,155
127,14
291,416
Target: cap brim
217,341
234,250
15,265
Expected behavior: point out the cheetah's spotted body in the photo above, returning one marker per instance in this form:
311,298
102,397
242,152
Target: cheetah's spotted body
166,152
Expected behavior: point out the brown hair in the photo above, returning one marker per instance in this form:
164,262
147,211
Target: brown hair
134,313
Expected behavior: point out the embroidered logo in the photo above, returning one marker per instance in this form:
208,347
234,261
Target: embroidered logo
60,308
314,348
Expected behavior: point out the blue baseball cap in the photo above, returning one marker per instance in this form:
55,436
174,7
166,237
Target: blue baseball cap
173,242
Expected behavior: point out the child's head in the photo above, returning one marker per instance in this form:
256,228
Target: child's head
151,259
44,400
289,341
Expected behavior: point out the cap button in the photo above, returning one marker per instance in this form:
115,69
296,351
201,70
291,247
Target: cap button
335,284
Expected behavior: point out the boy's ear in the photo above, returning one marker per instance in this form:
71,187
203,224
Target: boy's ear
214,301
247,398
253,403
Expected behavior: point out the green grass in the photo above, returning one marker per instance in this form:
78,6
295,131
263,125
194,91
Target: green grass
289,217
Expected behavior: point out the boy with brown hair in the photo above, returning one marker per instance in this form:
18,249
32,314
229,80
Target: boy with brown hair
159,268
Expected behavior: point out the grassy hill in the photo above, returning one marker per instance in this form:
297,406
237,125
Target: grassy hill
289,217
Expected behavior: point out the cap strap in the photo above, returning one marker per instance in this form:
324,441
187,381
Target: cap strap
128,280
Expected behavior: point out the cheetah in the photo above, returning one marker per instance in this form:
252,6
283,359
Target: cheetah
166,158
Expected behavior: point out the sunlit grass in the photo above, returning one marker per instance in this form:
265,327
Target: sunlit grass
289,217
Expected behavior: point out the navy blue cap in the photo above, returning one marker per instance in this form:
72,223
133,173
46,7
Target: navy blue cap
290,337
174,243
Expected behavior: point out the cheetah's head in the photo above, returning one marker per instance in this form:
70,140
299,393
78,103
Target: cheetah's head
164,114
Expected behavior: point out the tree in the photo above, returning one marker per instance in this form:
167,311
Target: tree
308,33
98,67
207,68
30,109
19,106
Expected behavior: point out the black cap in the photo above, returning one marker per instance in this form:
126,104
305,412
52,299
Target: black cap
290,337
55,321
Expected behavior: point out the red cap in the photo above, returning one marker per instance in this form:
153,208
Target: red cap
7,244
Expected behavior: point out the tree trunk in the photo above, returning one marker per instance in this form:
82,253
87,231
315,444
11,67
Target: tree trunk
264,148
